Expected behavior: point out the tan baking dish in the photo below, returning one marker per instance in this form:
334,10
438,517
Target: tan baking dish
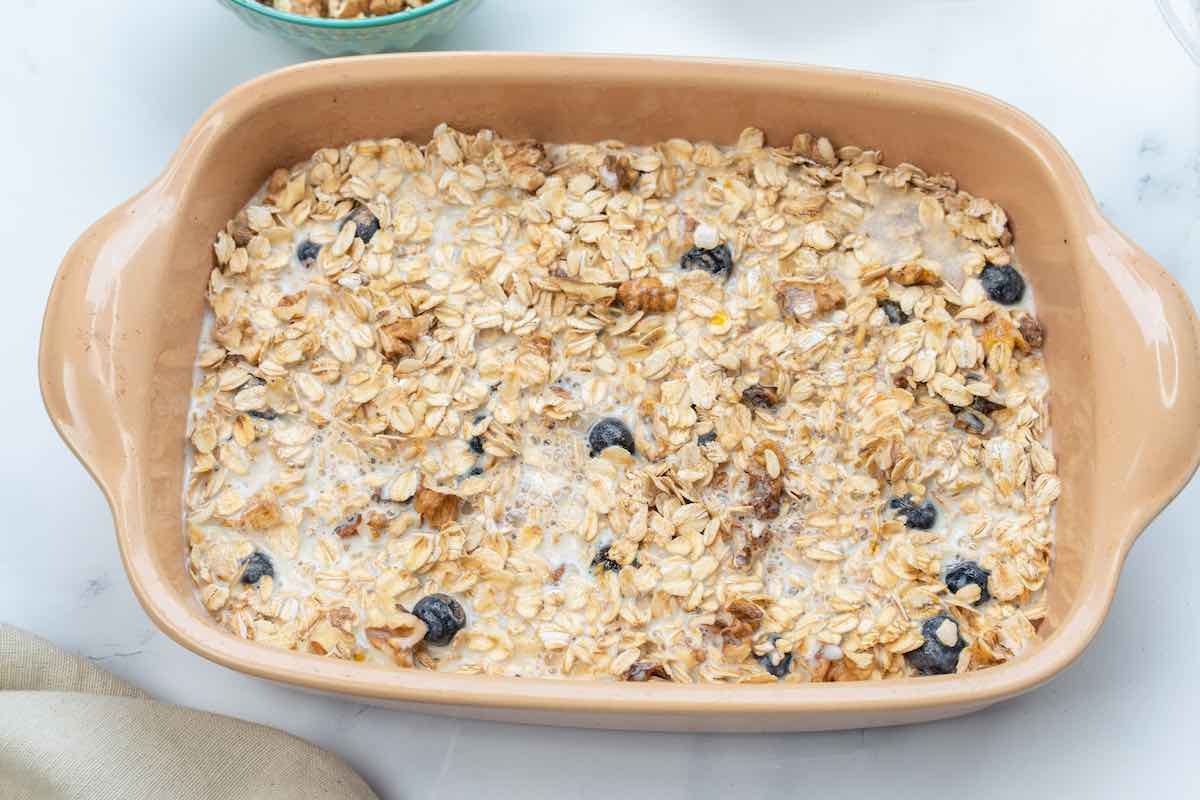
121,327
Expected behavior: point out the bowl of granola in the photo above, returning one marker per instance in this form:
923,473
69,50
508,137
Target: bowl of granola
587,407
347,27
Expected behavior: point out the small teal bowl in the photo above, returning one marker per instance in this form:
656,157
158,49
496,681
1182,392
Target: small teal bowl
339,37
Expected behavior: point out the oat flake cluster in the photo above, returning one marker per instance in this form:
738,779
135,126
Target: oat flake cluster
839,465
344,9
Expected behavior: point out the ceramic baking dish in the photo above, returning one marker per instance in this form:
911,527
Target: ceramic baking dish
121,328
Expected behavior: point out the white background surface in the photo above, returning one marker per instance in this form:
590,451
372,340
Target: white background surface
96,94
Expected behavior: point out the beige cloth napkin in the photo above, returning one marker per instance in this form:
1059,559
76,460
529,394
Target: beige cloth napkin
71,730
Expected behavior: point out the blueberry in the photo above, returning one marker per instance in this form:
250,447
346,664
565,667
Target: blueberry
442,615
608,432
961,573
266,413
366,224
475,470
895,313
934,657
705,438
255,566
476,444
717,261
1003,284
973,422
602,560
778,668
307,253
920,517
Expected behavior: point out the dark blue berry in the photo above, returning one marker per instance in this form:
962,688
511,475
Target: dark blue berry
933,657
779,669
973,422
894,312
476,444
985,406
963,572
442,615
255,566
609,432
265,413
602,561
717,261
921,517
475,470
705,438
1003,284
307,253
366,224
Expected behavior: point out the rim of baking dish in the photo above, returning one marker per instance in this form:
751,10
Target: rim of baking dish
343,24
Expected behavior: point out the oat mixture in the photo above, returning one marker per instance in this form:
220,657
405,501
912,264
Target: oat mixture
344,9
681,412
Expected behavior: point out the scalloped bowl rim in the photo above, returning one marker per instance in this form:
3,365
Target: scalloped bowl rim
255,7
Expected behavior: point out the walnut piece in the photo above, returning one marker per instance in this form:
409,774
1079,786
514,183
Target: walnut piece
829,296
647,294
642,671
914,273
436,509
1031,331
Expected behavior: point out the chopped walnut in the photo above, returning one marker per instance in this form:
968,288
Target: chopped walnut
397,337
436,509
647,294
349,527
642,671
1031,331
913,273
829,296
627,177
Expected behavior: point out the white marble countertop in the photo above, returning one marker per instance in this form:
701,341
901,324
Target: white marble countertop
97,94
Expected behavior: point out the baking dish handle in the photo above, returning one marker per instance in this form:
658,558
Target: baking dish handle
82,355
1149,419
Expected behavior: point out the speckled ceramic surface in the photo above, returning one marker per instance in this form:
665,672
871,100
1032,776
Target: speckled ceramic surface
335,37
120,332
